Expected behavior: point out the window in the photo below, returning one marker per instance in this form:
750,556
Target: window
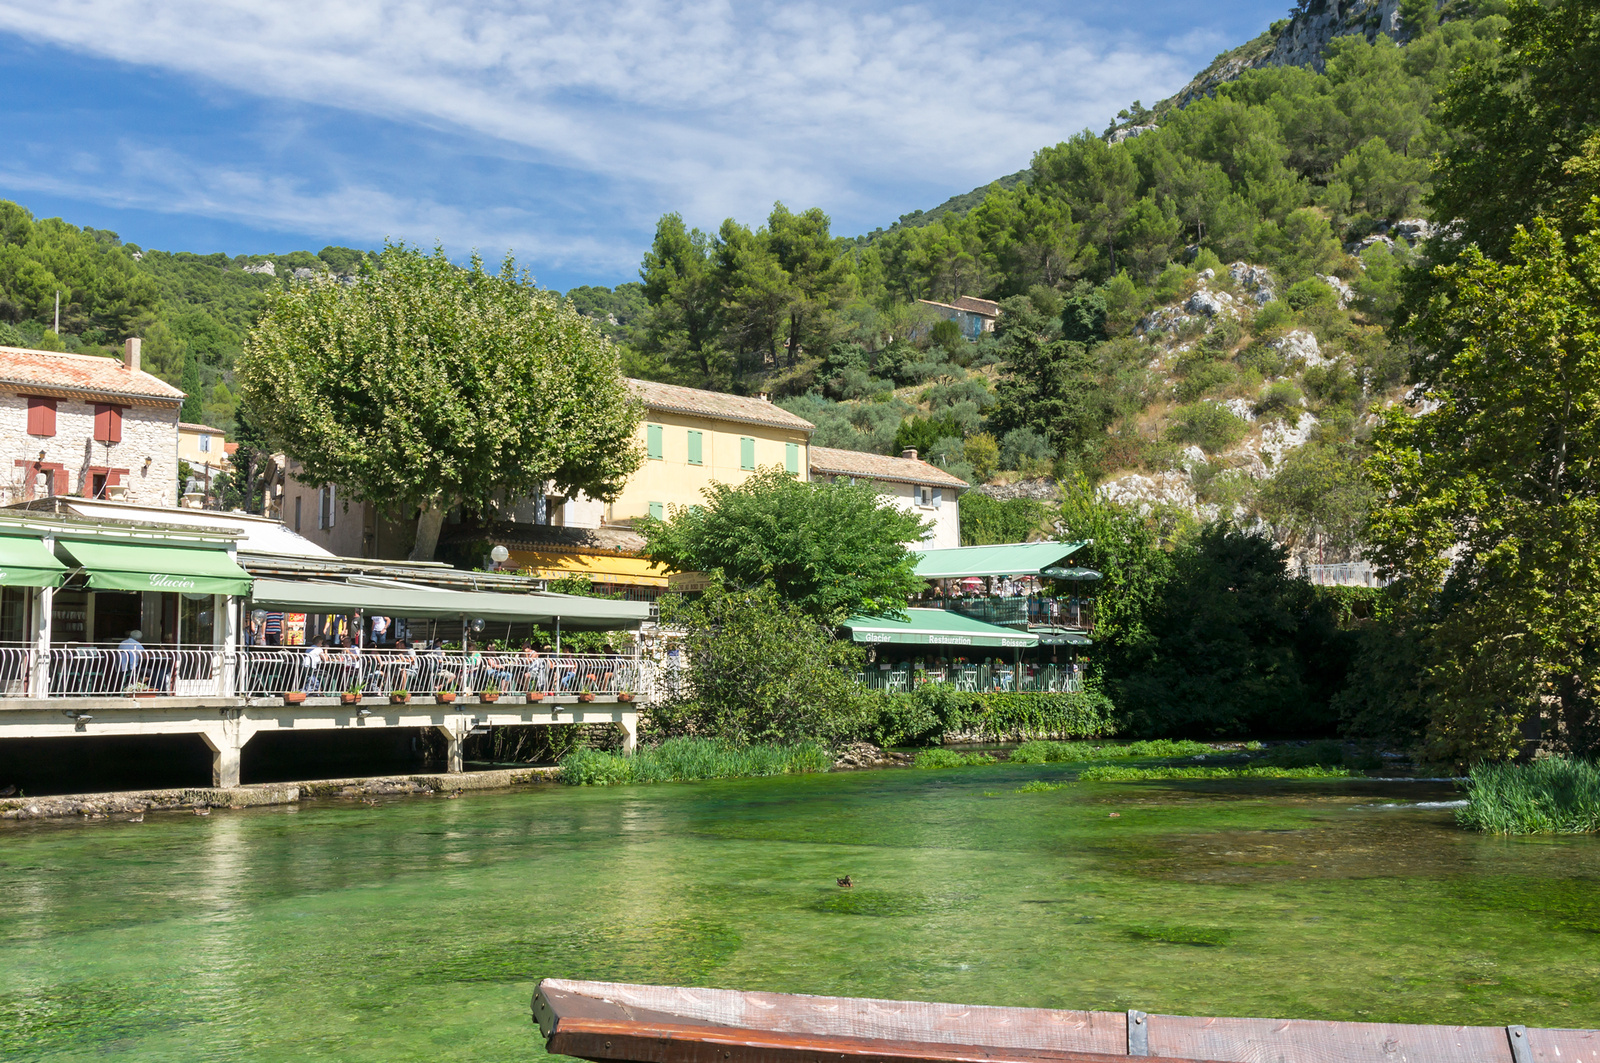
97,485
747,452
658,510
652,438
325,501
924,496
205,443
791,458
297,501
41,417
107,423
696,443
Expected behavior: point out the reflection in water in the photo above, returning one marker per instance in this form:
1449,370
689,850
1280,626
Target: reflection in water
416,931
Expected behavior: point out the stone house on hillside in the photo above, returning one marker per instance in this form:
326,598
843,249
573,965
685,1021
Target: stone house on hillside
906,482
974,316
75,424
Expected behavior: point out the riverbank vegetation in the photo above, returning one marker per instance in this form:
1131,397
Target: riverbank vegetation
1551,795
686,759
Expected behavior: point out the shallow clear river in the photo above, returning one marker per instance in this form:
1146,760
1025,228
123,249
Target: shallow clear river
416,931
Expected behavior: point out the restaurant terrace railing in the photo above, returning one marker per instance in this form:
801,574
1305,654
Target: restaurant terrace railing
975,678
284,670
86,671
1022,612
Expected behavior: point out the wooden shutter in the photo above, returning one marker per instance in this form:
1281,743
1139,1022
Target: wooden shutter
791,458
747,452
696,442
658,510
107,423
652,436
41,417
938,497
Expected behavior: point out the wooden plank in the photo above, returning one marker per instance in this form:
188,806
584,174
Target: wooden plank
1035,1028
1564,1046
1307,1041
609,1041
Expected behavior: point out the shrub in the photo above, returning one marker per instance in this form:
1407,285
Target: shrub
1553,795
1272,317
949,758
1203,376
1280,400
684,759
1022,448
1313,291
1207,425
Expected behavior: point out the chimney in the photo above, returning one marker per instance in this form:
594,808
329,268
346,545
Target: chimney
763,397
130,361
909,452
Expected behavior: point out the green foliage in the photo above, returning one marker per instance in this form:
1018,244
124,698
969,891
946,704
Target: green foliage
1493,495
689,759
924,433
1552,795
828,547
1208,425
1118,773
949,758
1318,495
428,386
983,454
1001,716
759,668
1047,752
1050,385
986,520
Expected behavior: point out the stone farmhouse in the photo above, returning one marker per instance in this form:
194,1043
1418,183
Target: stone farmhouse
83,425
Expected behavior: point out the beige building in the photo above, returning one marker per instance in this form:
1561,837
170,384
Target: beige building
907,482
76,424
200,444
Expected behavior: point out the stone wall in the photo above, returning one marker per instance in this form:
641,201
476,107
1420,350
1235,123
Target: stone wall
71,457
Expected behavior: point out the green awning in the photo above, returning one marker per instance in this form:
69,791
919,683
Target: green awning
397,598
937,627
148,566
25,562
1010,559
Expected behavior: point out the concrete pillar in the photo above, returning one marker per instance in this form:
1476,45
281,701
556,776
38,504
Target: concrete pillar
227,741
630,733
454,731
39,679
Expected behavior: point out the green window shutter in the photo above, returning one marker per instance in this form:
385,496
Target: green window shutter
791,458
696,440
658,510
652,435
747,452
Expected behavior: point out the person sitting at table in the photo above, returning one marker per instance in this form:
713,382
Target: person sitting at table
127,661
316,656
534,667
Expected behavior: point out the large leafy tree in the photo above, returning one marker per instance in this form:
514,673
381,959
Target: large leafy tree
427,386
1049,384
684,290
833,548
1493,493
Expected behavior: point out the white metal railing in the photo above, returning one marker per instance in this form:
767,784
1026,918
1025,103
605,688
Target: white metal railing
1345,574
106,671
288,669
973,679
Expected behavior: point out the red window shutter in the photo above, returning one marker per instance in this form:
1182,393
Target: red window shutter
107,424
41,417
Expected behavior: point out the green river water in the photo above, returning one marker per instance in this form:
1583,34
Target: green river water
416,931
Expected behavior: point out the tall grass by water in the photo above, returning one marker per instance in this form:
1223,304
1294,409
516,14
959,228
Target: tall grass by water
683,759
1118,773
1552,795
1041,752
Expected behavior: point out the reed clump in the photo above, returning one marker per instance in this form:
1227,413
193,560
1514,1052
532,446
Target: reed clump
1043,752
685,759
1552,795
949,758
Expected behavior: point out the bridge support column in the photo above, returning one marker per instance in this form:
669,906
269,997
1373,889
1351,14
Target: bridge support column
227,741
630,733
454,730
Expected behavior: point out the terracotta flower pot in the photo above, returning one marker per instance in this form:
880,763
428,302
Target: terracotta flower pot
537,695
446,696
624,698
585,697
349,699
399,699
295,697
489,698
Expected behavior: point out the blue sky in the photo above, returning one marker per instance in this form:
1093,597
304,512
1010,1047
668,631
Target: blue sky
559,131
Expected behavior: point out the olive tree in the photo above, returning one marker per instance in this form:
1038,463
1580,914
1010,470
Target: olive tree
426,385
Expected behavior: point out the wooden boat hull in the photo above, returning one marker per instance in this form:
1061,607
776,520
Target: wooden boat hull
610,1022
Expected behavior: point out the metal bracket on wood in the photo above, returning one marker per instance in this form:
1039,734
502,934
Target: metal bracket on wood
1139,1033
1521,1051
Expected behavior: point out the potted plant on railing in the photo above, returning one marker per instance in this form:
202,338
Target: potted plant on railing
446,693
294,697
586,693
534,694
490,692
352,694
625,695
399,695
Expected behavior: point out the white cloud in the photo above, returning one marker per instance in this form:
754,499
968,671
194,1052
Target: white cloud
708,107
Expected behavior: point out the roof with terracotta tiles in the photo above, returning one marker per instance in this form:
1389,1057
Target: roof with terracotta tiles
80,376
858,463
192,427
986,307
715,404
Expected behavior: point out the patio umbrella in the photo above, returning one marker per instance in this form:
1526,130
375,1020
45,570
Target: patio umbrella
972,581
1070,573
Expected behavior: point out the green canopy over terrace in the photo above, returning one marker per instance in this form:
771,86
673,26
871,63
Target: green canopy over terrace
1010,559
24,562
936,627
